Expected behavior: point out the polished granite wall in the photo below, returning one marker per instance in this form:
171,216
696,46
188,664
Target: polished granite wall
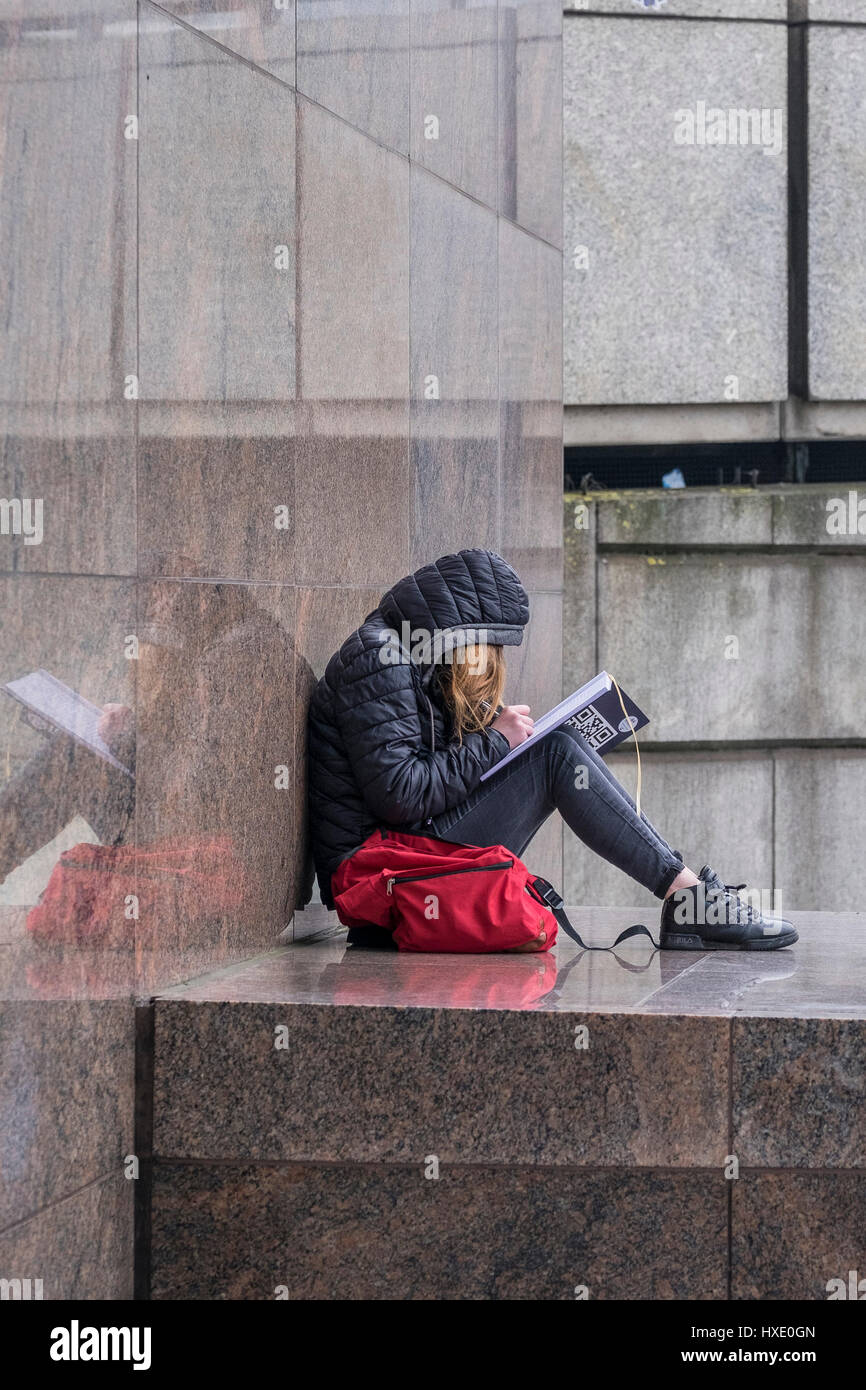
233,260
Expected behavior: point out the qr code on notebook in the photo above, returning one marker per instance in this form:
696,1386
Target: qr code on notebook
593,726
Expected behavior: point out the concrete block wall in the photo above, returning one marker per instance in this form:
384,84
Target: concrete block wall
680,291
715,272
737,620
715,281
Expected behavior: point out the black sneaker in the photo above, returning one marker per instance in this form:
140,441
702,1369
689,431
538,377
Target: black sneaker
711,917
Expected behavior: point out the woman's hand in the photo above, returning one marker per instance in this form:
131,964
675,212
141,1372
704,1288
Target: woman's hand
514,722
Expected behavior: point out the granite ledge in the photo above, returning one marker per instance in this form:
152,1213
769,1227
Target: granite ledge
817,978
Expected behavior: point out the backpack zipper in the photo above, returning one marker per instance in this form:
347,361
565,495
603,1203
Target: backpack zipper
445,873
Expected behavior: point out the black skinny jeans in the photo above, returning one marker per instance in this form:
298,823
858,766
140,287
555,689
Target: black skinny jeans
562,773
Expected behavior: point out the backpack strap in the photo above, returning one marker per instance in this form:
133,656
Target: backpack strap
549,896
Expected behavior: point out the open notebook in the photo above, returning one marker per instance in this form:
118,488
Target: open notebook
62,708
594,710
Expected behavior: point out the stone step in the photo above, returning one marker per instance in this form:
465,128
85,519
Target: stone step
336,1123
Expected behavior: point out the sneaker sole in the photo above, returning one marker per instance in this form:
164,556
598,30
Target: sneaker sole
678,941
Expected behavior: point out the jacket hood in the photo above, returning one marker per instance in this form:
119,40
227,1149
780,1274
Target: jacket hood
473,596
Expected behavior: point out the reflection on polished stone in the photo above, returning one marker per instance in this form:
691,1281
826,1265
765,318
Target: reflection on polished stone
819,978
479,1061
81,1246
69,771
215,770
67,959
66,1084
213,500
67,438
34,970
326,971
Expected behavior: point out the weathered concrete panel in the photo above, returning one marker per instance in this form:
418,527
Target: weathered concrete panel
730,646
845,11
833,515
687,518
821,827
675,424
691,9
837,225
676,247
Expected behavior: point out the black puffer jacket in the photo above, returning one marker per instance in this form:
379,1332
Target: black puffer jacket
381,747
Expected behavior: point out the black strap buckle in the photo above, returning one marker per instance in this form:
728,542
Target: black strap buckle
547,893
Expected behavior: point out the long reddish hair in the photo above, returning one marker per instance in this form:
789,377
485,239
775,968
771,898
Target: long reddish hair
472,684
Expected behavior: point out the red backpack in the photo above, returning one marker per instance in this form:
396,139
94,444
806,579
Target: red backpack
423,894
